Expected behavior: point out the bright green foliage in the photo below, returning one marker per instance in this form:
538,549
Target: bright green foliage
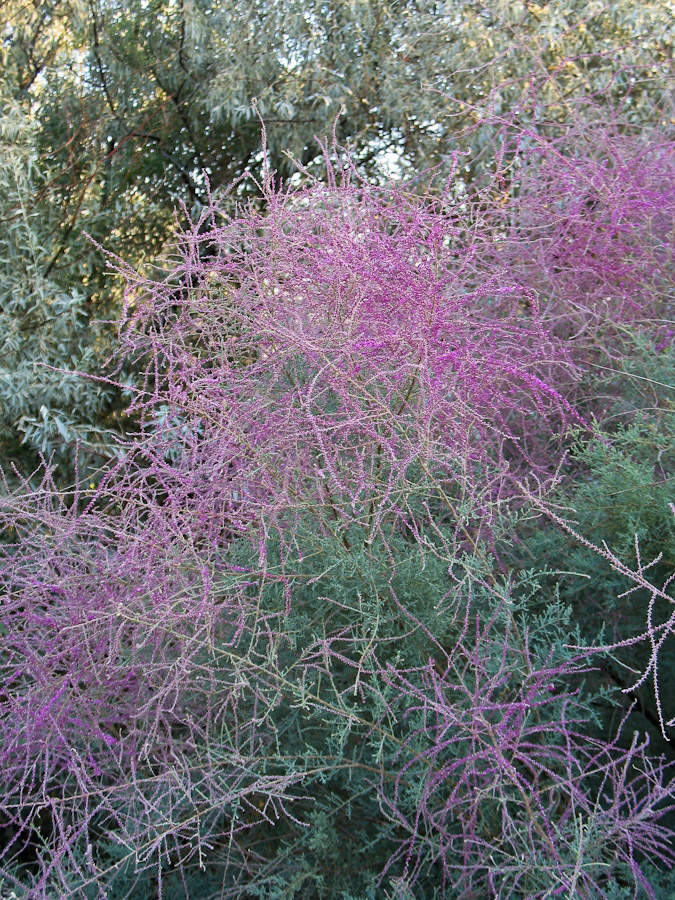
618,490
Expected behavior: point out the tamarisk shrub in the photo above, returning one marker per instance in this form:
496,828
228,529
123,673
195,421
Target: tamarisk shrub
276,625
591,232
109,698
338,356
495,721
619,499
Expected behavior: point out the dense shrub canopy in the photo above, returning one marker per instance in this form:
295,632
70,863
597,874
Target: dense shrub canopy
339,561
295,613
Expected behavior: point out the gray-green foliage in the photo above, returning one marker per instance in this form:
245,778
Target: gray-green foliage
43,316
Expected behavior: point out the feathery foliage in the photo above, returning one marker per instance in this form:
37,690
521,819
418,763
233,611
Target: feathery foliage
282,625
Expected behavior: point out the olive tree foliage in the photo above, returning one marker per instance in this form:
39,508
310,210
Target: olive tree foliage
183,80
123,109
43,319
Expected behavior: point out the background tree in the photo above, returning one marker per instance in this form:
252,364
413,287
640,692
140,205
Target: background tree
44,312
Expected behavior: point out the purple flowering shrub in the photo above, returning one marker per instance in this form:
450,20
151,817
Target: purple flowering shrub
110,693
373,348
591,232
278,626
510,776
